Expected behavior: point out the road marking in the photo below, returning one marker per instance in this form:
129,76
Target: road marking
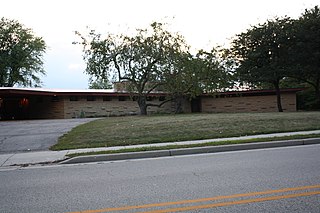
207,199
234,202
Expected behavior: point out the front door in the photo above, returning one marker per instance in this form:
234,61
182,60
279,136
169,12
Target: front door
196,105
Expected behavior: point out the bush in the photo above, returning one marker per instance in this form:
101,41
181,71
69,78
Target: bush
306,100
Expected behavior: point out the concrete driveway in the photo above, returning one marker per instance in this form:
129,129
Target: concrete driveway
34,135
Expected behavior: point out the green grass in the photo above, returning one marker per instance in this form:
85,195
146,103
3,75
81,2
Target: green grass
132,130
143,149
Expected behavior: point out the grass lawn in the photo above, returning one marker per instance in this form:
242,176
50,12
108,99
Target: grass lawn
131,130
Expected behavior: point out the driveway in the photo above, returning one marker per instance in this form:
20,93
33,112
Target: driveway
34,135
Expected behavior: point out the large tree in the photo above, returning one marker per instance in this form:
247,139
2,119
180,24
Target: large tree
21,55
192,75
306,50
263,53
139,60
205,72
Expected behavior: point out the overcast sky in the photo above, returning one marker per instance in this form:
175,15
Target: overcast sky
204,24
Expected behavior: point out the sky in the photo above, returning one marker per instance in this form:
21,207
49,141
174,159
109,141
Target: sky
203,23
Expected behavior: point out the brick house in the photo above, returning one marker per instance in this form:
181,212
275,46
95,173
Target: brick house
25,103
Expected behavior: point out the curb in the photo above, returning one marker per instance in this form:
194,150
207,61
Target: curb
189,151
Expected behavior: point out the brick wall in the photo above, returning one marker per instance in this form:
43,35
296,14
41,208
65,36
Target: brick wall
249,103
111,107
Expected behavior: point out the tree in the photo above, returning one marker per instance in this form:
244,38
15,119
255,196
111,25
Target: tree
306,49
101,83
263,54
139,60
21,55
192,75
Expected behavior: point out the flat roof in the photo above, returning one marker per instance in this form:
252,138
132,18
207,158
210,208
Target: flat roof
111,92
66,92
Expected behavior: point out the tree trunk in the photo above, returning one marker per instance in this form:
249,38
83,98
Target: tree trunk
142,102
276,85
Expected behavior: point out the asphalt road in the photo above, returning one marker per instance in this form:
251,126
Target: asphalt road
186,180
34,135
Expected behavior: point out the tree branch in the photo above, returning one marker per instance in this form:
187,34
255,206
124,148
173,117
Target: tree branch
161,104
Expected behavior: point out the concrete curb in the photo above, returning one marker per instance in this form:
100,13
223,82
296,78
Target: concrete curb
189,151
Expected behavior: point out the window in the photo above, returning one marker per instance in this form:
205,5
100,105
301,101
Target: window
122,98
73,98
91,98
134,98
149,98
107,98
162,98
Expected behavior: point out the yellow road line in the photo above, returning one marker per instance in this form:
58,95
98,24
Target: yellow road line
199,200
234,202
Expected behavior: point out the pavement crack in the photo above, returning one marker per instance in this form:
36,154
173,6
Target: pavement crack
7,160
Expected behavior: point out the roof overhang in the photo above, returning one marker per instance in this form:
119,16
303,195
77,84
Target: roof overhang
11,91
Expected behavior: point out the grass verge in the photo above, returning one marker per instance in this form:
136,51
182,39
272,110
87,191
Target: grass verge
133,130
143,149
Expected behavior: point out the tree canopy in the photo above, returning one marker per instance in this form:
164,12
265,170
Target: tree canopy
193,75
21,55
269,54
152,58
306,49
280,49
263,53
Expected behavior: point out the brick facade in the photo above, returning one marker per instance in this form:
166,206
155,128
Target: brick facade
17,103
266,103
111,106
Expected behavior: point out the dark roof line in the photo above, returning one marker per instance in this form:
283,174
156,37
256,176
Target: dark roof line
44,92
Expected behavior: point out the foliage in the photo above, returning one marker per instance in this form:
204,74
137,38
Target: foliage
140,59
155,59
195,74
262,53
306,49
307,100
20,55
282,49
101,83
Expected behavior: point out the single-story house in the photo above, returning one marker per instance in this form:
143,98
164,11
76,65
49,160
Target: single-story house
35,103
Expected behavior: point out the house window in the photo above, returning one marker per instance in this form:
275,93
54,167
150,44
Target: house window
149,98
73,98
121,98
134,98
107,98
91,98
162,98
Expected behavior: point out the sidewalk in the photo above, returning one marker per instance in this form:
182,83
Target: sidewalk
49,157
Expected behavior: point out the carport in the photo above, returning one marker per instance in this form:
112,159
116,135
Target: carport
18,104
